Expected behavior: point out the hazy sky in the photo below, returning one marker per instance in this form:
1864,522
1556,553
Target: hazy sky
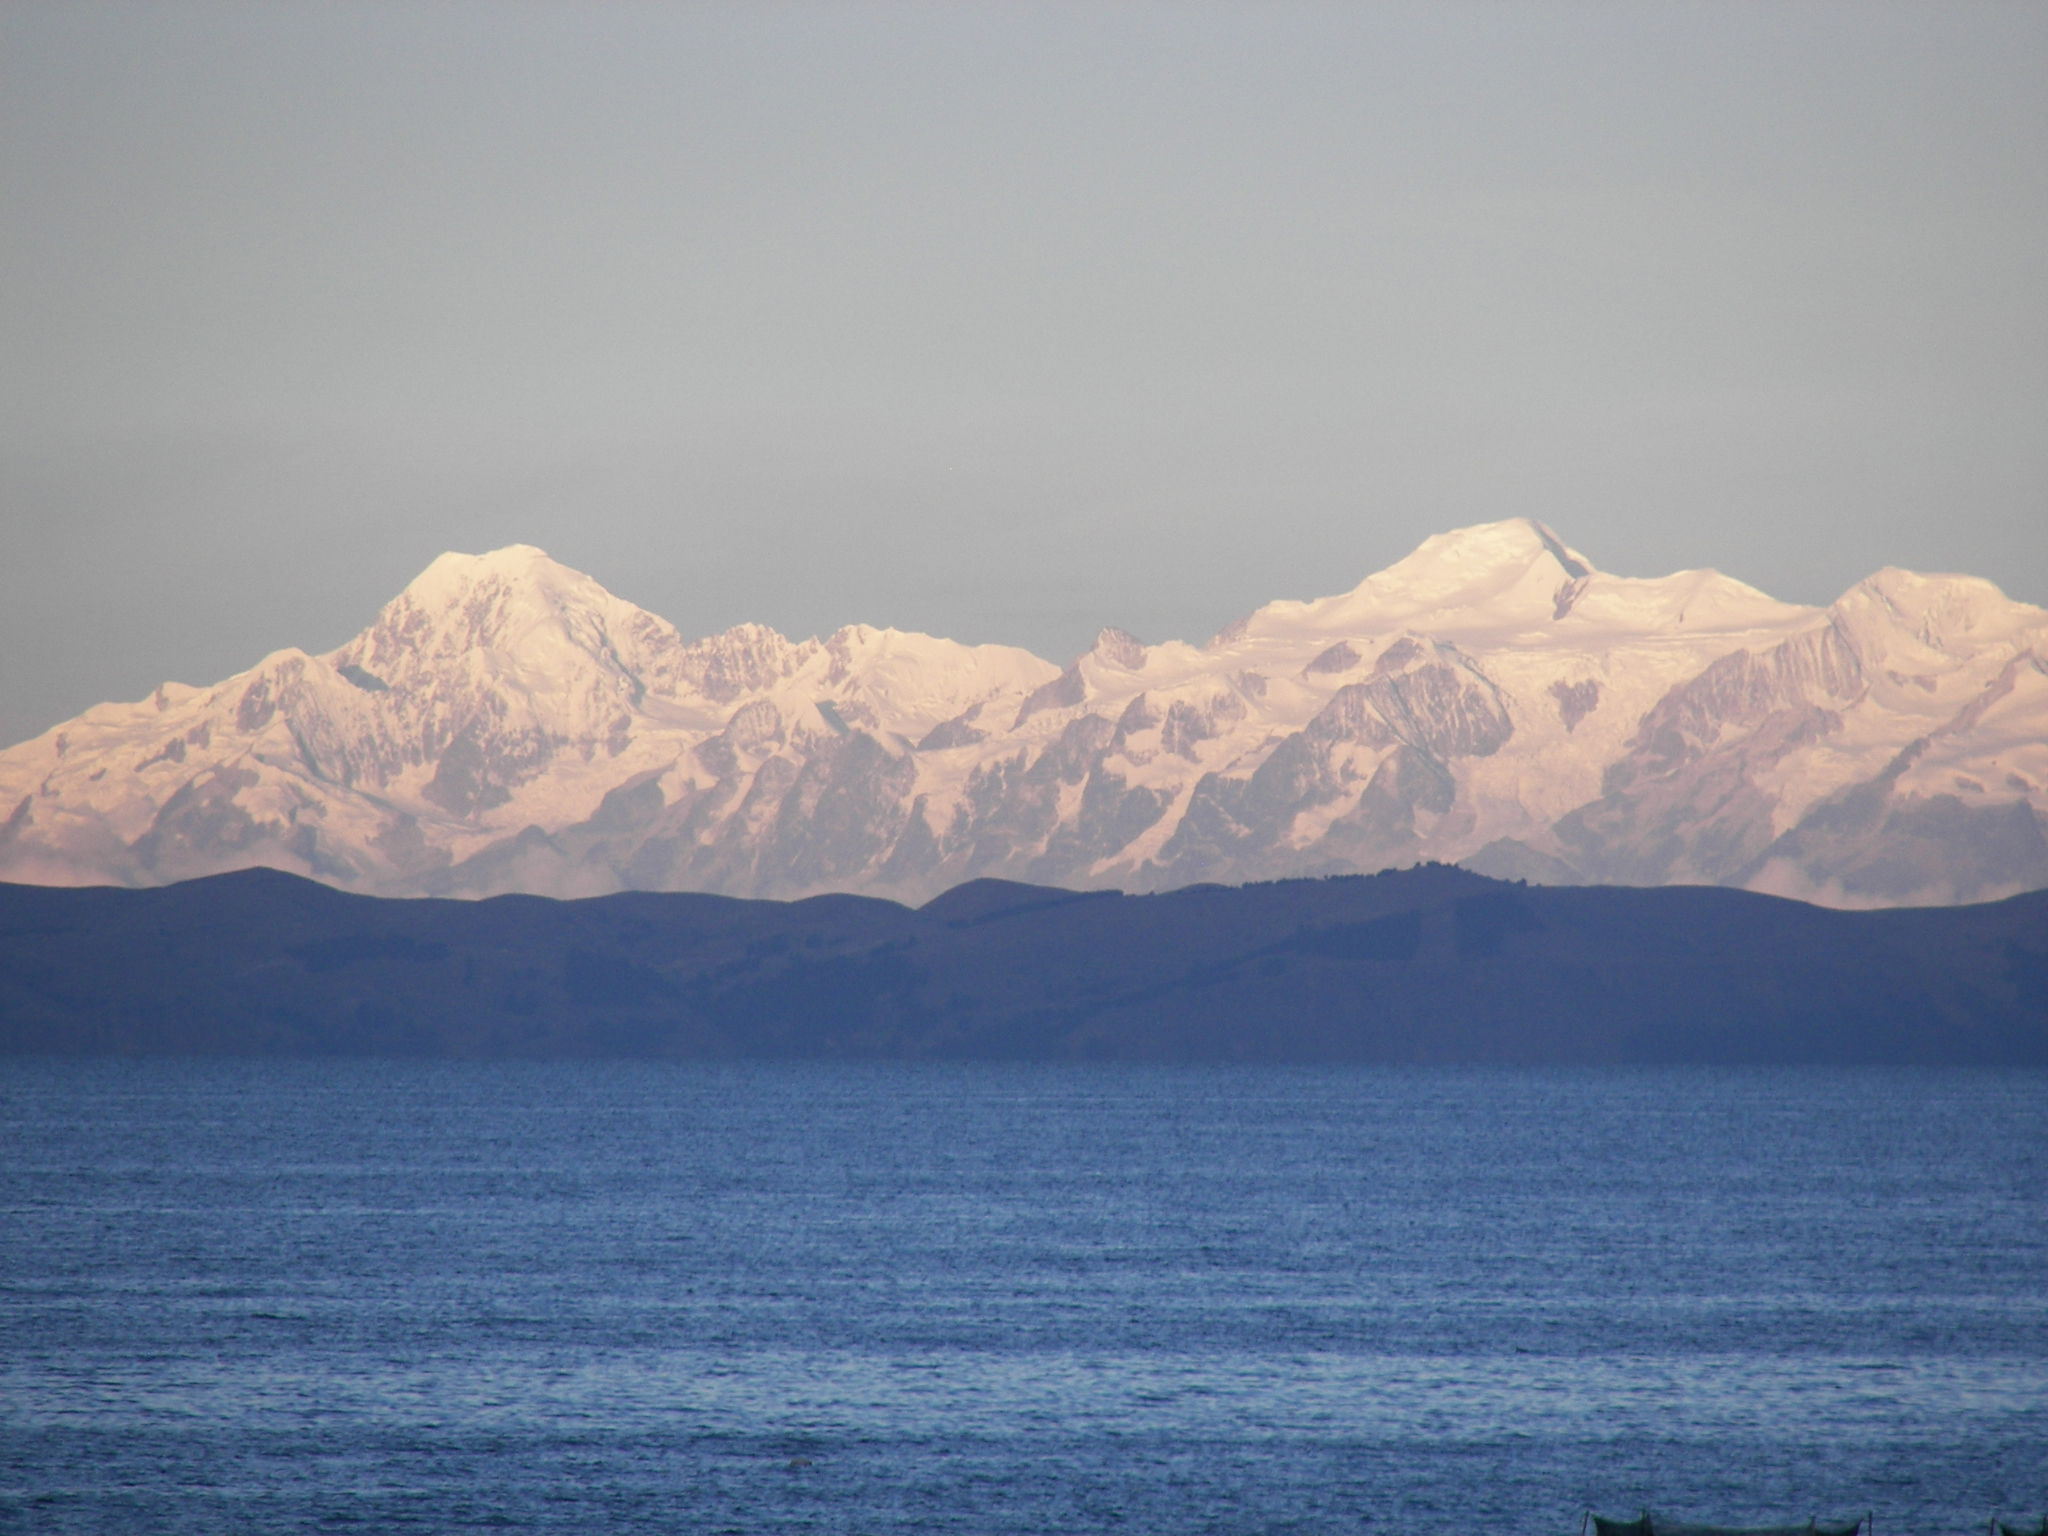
1000,321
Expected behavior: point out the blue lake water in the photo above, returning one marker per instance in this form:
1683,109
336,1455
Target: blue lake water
357,1296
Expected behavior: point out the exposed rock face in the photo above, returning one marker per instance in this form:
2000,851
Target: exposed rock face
1575,701
506,724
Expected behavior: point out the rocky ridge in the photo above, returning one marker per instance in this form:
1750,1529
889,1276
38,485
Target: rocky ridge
506,724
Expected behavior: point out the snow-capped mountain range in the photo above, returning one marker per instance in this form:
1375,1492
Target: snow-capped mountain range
506,724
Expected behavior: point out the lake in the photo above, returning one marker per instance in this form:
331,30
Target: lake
371,1296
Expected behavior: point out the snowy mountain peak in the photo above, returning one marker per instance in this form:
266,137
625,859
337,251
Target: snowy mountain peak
512,608
1449,563
453,574
1940,611
748,658
505,723
1684,600
1495,576
1118,648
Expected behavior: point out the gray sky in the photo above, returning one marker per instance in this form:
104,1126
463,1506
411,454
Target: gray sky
1000,321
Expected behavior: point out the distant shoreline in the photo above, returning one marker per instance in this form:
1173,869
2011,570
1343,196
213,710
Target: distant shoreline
1433,965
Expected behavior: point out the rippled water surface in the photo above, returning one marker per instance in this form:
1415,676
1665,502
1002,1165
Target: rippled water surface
593,1298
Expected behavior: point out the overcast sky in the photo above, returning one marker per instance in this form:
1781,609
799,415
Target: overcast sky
999,321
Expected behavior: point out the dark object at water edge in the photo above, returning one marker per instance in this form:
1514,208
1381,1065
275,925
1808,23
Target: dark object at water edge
1647,1524
1422,966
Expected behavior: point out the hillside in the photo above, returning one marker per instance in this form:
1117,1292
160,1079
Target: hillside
1422,966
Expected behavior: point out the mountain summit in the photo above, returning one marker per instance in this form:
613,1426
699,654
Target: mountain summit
507,724
1489,576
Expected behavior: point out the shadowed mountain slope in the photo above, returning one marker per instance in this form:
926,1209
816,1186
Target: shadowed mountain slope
1432,964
